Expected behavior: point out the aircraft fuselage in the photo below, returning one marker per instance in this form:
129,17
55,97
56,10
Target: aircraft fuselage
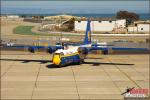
60,60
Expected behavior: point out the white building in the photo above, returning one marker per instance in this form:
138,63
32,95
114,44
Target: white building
13,16
132,28
104,25
143,27
139,26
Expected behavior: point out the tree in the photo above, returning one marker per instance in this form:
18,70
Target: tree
71,24
129,16
68,25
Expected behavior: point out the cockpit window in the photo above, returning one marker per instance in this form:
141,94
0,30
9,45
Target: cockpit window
61,53
56,53
58,43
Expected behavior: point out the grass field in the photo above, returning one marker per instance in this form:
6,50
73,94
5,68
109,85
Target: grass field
26,30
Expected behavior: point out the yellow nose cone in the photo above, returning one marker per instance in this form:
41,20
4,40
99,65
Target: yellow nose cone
56,60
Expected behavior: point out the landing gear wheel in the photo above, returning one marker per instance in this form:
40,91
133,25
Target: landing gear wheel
80,62
61,65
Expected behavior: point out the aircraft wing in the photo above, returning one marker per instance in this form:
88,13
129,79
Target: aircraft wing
27,60
106,49
115,48
32,49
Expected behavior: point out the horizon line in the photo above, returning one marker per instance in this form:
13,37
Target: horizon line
74,0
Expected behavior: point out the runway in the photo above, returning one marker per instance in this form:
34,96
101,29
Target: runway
27,76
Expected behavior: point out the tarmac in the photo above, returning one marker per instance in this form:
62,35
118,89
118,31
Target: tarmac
27,76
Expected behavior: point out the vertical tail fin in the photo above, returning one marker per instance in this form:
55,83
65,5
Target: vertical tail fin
87,39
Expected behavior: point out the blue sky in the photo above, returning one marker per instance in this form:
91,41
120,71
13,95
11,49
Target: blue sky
80,7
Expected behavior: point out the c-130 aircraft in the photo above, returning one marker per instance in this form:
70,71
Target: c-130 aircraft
69,54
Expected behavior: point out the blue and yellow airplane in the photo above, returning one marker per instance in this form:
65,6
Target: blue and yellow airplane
77,54
67,54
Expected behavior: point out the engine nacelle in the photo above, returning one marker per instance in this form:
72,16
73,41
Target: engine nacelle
83,50
32,49
51,49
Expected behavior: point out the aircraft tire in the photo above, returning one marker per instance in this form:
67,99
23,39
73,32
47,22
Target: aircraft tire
60,66
80,62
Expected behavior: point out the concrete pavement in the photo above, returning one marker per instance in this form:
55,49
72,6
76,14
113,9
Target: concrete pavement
36,80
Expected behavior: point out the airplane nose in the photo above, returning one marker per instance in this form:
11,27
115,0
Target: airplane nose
56,60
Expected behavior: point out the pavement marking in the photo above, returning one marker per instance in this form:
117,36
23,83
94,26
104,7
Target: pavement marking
136,70
8,68
125,74
75,83
35,84
111,79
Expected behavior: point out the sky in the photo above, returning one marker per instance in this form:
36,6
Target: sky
73,6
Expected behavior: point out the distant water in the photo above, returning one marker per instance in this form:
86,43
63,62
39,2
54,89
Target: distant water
142,16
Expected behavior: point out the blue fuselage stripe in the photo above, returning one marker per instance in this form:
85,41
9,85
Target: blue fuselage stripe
70,59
